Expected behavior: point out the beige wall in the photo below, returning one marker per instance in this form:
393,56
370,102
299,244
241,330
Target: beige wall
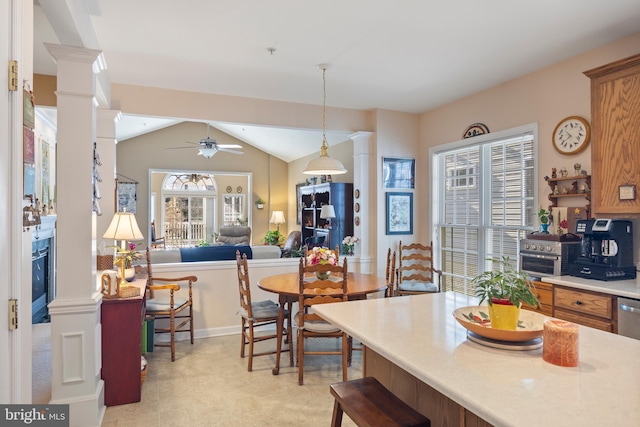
546,97
137,156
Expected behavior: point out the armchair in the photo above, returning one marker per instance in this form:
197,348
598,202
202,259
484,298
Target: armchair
235,235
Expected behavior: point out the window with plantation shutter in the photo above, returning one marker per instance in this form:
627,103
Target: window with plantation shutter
484,202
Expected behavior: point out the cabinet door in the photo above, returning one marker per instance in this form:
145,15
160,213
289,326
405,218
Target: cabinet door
615,149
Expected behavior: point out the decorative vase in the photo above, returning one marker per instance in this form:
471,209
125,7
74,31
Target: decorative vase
322,275
129,274
545,228
504,315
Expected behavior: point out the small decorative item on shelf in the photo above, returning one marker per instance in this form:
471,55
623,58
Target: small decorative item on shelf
543,216
320,255
554,173
349,244
577,167
563,172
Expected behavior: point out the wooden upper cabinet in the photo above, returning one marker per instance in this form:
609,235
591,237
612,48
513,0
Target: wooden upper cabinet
615,136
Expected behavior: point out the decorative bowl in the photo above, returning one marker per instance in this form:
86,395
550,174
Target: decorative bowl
475,318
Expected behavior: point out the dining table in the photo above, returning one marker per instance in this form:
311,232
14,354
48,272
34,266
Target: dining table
287,286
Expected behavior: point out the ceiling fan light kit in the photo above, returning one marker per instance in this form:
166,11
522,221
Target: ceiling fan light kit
324,165
208,147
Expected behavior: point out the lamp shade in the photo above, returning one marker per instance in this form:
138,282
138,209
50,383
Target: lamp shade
324,165
123,227
277,217
207,152
327,212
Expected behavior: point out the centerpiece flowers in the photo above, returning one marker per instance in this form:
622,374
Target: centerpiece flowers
319,255
349,244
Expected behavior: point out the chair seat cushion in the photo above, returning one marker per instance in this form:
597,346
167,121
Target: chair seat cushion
163,303
322,326
261,310
411,286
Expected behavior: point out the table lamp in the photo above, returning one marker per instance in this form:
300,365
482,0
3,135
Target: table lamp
123,227
327,212
277,218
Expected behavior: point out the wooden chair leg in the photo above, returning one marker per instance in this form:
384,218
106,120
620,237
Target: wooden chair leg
336,420
243,337
300,357
191,322
344,357
172,326
250,364
279,329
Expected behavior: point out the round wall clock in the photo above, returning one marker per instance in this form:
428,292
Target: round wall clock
475,130
571,135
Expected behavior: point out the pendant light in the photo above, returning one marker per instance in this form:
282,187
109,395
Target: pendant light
324,165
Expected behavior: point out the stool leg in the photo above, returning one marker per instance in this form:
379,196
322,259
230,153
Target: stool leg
336,421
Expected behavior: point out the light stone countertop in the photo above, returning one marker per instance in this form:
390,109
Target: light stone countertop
506,388
621,288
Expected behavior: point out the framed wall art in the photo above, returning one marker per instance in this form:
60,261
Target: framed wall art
399,218
398,173
126,196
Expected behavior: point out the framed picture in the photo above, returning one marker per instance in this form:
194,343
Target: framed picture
29,181
299,202
28,146
399,213
126,196
398,173
28,109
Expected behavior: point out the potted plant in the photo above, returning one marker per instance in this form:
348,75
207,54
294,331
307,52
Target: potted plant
504,290
273,237
543,216
260,203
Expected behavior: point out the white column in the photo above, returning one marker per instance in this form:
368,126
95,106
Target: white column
106,146
75,313
362,164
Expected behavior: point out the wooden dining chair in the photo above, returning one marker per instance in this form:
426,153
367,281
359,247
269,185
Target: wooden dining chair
256,314
314,291
390,273
163,304
416,274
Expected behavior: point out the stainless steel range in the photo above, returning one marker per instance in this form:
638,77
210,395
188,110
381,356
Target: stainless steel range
543,255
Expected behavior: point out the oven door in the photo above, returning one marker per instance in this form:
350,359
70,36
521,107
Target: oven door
538,265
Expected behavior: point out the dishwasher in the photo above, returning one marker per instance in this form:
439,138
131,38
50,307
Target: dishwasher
629,317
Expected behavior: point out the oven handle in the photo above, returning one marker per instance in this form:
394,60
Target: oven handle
540,256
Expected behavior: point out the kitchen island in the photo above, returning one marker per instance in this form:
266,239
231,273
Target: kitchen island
416,348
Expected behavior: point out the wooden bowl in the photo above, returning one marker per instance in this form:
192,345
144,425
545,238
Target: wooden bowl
475,318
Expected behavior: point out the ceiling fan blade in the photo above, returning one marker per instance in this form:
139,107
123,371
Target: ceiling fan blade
178,148
235,146
230,150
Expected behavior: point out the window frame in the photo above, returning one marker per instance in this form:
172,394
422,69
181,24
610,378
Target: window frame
441,182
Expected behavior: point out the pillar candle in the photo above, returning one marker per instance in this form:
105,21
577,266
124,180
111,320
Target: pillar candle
560,346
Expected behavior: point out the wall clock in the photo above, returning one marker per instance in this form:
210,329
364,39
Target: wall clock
475,130
571,135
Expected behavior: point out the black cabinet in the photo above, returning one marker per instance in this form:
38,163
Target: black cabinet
313,197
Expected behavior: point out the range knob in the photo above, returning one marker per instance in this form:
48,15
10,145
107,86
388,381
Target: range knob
526,246
549,248
534,247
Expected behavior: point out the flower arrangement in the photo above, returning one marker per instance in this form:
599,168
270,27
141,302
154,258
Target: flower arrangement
319,255
349,244
128,256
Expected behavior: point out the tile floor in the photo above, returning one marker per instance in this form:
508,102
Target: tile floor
208,385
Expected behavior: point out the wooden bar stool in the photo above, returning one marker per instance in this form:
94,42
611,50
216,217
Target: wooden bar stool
369,403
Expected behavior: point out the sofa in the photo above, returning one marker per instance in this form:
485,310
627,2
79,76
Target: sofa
213,253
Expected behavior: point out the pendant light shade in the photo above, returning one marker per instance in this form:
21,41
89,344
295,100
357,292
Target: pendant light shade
324,165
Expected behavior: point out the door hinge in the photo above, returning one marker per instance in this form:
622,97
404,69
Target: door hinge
13,75
13,314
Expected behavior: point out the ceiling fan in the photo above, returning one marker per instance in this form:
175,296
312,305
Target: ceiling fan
207,147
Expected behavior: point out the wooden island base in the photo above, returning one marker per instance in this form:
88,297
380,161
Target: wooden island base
434,405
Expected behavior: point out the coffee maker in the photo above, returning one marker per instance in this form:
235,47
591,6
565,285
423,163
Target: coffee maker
606,250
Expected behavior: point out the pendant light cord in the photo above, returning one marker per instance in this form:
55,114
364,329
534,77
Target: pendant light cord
324,108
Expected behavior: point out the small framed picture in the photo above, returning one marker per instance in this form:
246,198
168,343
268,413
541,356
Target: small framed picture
126,196
399,213
398,173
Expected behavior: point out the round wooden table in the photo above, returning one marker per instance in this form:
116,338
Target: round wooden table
358,284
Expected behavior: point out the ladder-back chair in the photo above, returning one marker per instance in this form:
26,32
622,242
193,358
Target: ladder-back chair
416,274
